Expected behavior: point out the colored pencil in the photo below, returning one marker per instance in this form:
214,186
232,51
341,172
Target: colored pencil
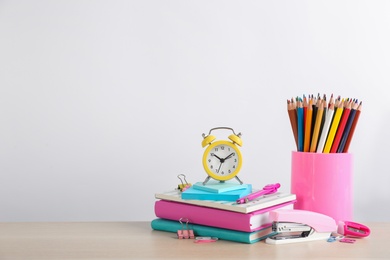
292,114
334,125
325,128
325,107
315,108
352,131
317,126
300,125
305,104
341,127
347,129
307,132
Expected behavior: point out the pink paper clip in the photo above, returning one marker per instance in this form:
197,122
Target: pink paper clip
185,233
347,240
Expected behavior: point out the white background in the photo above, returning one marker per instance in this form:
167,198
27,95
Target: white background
103,103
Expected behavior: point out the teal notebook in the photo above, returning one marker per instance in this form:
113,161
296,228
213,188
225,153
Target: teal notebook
218,187
195,194
207,231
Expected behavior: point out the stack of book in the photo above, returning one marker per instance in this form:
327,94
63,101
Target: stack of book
216,214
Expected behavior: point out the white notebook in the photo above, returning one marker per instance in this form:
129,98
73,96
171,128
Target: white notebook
261,202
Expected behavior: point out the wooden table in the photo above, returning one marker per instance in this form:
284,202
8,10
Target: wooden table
136,240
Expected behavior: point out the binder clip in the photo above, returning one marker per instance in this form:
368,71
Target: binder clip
184,184
185,232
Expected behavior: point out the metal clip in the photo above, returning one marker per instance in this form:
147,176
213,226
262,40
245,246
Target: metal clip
184,184
185,233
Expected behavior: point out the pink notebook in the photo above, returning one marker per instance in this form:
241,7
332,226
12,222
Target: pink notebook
217,217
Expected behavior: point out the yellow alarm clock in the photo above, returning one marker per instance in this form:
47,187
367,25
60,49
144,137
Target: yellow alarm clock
222,160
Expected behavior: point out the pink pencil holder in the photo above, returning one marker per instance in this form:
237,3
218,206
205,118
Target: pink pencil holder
322,183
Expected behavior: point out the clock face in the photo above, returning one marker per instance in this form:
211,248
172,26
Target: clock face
222,160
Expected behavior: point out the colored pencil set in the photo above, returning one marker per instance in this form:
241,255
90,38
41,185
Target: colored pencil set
322,127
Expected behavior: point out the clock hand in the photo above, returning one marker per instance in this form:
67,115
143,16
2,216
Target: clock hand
230,155
219,168
220,159
223,160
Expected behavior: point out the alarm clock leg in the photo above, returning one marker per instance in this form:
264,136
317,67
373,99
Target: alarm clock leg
206,180
238,179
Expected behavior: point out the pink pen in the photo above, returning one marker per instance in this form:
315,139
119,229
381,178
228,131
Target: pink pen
268,189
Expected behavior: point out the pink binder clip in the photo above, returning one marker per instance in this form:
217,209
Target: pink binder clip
185,233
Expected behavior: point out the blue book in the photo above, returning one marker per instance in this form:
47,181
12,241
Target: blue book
195,194
218,187
208,231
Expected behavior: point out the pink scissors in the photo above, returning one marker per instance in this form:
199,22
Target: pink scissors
268,189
